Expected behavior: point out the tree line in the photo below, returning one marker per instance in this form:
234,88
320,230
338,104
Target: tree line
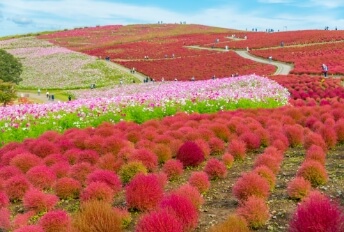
10,71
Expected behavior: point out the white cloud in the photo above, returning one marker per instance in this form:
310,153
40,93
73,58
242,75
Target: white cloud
21,20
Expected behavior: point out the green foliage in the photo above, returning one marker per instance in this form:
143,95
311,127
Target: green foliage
7,92
10,67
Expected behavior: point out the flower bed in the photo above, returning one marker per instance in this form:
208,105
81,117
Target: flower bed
140,103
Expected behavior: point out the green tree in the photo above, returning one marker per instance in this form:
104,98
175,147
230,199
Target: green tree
10,67
7,92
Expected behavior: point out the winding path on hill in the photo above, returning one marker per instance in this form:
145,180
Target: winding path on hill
282,68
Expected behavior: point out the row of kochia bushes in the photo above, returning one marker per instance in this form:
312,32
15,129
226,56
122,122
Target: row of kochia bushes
59,171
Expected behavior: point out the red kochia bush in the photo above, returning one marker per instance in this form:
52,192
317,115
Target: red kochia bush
8,172
159,221
67,188
269,161
255,211
25,161
329,135
4,201
228,160
251,139
339,128
144,192
5,222
97,191
251,184
234,223
200,180
183,209
107,177
39,201
16,187
41,177
54,221
237,148
215,169
317,214
314,139
294,134
190,154
190,192
148,158
30,228
80,171
173,168
217,146
267,174
316,153
298,188
43,147
314,172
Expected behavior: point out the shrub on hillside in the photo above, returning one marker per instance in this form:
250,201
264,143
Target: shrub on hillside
80,171
7,172
183,209
317,213
255,211
228,160
67,188
215,169
173,169
200,180
4,200
251,140
89,156
124,215
234,223
41,177
110,162
190,192
158,221
107,177
98,215
5,223
339,128
329,135
43,147
220,131
294,134
267,174
25,161
190,154
54,221
205,147
39,201
148,158
217,146
314,172
238,149
316,153
53,159
99,191
163,152
129,170
269,161
144,192
251,184
16,187
314,139
61,169
298,188
30,228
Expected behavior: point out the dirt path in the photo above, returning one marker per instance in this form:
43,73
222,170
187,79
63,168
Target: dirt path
282,68
138,75
42,98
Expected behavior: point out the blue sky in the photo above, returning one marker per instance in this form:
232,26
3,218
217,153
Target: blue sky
24,16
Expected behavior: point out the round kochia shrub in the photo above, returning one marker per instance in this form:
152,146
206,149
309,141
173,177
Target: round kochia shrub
190,154
183,209
317,213
39,201
148,158
16,187
67,188
191,193
314,172
107,177
255,211
234,223
144,192
298,188
41,177
251,184
238,149
57,220
129,170
99,215
159,221
200,180
173,168
25,161
228,160
215,169
97,191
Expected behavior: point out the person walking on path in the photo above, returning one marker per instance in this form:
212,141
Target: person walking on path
39,92
325,70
